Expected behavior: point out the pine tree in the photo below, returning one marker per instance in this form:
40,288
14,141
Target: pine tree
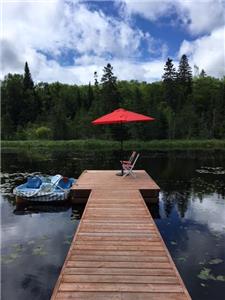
203,74
90,97
108,78
184,75
170,71
27,81
169,82
110,94
96,78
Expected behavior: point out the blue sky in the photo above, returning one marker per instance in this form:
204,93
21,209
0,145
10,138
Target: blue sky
68,40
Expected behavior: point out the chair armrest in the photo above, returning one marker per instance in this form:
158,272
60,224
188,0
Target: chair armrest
124,161
127,164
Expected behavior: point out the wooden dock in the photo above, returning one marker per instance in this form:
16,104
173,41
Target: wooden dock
117,252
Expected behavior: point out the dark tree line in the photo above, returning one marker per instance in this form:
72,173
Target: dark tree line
184,106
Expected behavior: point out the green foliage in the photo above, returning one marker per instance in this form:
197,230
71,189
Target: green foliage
169,83
184,75
12,100
27,81
183,108
109,91
43,133
84,144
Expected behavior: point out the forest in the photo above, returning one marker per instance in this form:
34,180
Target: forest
184,106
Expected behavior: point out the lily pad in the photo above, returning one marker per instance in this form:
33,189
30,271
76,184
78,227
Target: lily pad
45,237
173,243
14,255
215,261
205,274
31,242
7,259
39,251
17,247
182,258
220,278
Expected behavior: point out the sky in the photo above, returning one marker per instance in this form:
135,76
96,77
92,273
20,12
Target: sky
68,40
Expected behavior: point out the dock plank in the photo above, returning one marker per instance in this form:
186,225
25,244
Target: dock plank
119,279
117,252
122,287
119,296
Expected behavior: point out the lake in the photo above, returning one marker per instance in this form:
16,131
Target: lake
190,217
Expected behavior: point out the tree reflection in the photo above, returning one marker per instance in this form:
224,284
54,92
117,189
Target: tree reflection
179,194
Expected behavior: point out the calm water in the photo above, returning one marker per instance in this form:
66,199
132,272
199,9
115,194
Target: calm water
190,217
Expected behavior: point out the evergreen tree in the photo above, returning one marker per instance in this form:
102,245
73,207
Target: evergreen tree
108,77
96,78
170,72
78,99
12,103
184,75
65,108
96,109
203,74
169,83
110,94
90,97
31,107
27,81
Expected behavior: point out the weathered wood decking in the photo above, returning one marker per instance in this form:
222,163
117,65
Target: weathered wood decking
117,252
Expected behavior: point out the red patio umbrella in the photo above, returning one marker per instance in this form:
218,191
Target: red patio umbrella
120,116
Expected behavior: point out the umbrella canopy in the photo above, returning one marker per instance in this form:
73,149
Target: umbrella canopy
121,116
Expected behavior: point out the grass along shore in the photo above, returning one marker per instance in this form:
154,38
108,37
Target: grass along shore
94,144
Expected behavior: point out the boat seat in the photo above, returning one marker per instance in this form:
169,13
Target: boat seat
65,183
33,182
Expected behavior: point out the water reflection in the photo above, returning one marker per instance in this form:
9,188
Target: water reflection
35,240
76,211
190,216
25,209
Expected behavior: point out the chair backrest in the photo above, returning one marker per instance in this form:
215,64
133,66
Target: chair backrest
128,168
136,158
131,165
132,157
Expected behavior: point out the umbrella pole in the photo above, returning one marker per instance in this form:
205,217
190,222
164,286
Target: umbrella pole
121,147
121,155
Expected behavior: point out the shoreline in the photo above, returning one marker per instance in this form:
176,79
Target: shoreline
95,144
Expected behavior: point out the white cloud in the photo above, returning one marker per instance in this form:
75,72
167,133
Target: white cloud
197,16
208,213
83,73
207,52
151,10
41,33
201,16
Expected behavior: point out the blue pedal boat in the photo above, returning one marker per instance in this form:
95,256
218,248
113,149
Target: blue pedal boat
45,188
